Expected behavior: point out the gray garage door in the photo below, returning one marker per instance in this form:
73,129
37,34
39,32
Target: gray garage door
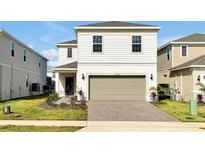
117,87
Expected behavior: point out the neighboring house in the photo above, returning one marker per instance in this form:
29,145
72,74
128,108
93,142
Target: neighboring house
20,68
109,61
50,78
181,64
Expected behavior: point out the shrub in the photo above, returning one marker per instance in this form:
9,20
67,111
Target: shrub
199,96
51,97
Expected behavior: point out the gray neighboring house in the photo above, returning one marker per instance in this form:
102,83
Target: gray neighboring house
181,65
21,68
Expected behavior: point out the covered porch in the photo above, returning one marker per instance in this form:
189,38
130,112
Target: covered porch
65,77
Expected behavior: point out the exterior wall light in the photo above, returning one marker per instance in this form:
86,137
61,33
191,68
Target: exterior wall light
198,78
83,76
151,77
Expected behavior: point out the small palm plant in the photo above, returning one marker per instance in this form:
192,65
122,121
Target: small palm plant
202,86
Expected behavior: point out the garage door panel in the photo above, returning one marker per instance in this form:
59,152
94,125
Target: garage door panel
117,88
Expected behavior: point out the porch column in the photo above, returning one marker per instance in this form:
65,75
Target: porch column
57,82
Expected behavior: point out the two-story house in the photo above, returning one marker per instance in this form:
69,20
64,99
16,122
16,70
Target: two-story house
20,67
109,61
181,64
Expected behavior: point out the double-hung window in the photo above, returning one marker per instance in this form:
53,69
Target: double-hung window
184,51
69,54
24,54
168,52
97,43
12,49
136,43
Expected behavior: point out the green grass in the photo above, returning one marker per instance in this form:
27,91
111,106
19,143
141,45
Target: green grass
30,109
180,110
12,128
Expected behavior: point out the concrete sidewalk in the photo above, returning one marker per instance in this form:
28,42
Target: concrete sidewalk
43,123
115,126
124,126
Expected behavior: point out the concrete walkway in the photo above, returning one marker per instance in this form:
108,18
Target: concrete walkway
114,126
142,126
43,123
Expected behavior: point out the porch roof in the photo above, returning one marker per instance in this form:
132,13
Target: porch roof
70,67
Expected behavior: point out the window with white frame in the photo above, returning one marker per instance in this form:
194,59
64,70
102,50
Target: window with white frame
136,44
13,49
184,50
168,52
97,43
24,54
69,54
27,79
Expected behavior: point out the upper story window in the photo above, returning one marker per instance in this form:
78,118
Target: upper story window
136,44
69,54
24,54
39,64
168,52
97,43
53,75
184,50
13,49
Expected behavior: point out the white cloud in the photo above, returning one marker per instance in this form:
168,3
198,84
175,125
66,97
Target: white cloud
165,40
52,63
55,27
51,54
31,46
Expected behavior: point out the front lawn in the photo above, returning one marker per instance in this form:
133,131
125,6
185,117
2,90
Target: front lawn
180,111
12,128
30,109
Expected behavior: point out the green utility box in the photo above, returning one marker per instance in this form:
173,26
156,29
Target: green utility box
193,107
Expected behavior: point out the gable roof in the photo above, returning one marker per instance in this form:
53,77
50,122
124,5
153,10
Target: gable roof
196,62
116,24
196,38
67,66
71,42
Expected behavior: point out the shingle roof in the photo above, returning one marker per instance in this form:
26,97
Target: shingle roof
69,65
196,37
116,24
199,61
69,42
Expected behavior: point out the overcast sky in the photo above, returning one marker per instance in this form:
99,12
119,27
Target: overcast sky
43,36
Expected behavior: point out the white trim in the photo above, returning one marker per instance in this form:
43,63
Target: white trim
172,58
161,47
142,27
190,66
64,69
97,34
66,44
187,53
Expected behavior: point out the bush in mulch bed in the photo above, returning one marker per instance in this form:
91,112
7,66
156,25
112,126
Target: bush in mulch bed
53,106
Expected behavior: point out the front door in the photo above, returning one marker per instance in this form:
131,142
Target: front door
69,86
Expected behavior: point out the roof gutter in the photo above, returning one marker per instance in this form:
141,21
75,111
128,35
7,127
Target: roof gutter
154,28
190,66
12,37
169,43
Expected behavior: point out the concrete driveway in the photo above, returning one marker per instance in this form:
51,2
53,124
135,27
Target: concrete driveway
126,111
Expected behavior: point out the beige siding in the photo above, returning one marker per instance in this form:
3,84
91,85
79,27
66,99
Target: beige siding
0,82
32,58
117,47
63,57
193,52
117,88
163,63
20,68
182,80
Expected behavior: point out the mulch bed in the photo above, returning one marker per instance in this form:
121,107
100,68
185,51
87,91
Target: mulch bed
51,106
